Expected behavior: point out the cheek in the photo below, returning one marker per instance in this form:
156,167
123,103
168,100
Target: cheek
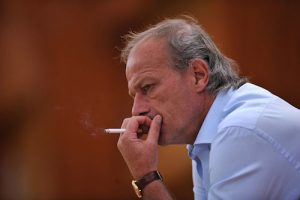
172,103
172,110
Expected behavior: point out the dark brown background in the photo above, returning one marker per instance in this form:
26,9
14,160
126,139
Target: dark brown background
61,79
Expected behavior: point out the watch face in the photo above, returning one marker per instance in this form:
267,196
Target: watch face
136,189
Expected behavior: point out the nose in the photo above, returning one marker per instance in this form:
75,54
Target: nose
140,106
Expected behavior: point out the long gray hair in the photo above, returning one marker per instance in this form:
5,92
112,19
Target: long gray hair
188,41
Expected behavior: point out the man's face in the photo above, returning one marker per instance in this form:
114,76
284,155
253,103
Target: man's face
157,88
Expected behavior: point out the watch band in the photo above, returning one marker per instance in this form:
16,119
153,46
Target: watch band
148,178
140,184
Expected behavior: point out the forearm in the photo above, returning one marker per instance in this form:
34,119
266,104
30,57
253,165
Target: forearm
156,190
141,157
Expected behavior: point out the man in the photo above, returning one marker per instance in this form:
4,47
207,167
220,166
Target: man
244,141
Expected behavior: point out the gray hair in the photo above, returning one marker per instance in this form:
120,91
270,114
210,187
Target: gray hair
188,41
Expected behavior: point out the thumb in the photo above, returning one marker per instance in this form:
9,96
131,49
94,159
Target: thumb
154,130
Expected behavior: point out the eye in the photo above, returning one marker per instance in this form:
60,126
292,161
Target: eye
146,88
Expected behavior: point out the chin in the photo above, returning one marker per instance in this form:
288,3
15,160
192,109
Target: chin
163,140
166,136
162,143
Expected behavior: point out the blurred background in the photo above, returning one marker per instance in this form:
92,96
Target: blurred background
61,80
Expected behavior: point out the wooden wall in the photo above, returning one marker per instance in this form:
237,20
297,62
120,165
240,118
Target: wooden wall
61,80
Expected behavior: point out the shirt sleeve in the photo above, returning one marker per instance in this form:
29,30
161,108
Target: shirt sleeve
244,165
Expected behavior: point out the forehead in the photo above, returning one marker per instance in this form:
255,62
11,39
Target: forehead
149,54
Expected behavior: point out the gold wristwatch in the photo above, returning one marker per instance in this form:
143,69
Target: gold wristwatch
139,185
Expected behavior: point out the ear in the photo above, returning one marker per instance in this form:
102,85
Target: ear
201,74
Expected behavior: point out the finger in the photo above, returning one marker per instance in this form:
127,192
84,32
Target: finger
134,123
154,131
125,122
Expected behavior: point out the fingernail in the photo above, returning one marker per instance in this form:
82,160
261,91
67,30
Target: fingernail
158,118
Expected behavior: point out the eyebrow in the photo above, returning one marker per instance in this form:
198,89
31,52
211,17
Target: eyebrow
138,83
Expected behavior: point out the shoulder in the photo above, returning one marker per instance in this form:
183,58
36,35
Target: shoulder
259,124
252,107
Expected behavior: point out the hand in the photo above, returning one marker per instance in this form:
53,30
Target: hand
140,155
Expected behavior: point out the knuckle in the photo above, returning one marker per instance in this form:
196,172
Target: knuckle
135,118
119,144
151,142
125,121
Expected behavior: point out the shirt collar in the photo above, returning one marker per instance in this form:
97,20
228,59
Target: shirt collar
208,130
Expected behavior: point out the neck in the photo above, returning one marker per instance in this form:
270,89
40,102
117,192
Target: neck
206,103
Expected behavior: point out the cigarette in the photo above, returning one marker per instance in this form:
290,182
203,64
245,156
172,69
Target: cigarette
114,130
121,130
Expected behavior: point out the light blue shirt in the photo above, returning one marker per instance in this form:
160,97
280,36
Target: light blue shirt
247,148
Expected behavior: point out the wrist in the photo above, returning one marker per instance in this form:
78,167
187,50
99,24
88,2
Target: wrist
139,172
140,184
